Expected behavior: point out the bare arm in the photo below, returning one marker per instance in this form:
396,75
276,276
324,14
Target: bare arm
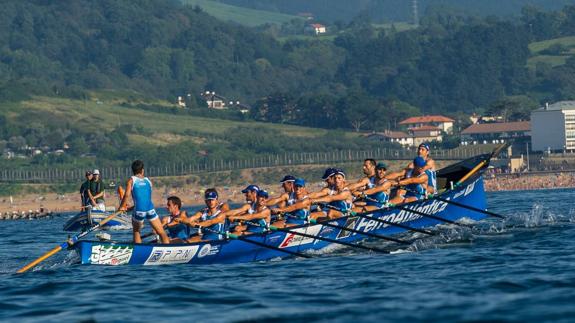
359,184
220,218
384,187
244,209
342,196
421,179
296,206
277,200
128,194
323,192
256,216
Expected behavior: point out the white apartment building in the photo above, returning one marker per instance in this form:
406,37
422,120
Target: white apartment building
553,127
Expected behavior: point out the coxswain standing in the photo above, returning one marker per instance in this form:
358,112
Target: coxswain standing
210,220
139,188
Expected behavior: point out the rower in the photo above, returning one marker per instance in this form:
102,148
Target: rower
258,220
287,198
414,183
177,230
211,218
328,177
377,196
139,188
298,212
423,152
250,192
339,201
369,180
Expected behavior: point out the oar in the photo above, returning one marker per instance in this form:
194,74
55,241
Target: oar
343,243
431,216
399,225
67,244
484,162
469,207
264,245
368,234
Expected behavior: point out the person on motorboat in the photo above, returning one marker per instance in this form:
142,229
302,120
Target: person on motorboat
208,223
413,186
139,188
85,190
177,230
376,196
258,220
423,152
97,192
298,212
287,197
339,201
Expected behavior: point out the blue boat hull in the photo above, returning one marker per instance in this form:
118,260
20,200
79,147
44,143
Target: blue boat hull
235,251
81,221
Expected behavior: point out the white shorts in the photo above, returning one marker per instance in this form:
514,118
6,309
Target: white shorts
140,216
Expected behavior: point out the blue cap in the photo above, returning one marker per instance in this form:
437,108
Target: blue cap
287,178
424,145
263,193
328,173
419,162
340,172
299,182
252,188
381,166
211,195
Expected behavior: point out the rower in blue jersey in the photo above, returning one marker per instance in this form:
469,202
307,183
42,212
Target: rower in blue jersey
429,169
414,184
178,232
286,198
338,202
211,220
251,193
298,212
368,181
139,188
377,196
258,220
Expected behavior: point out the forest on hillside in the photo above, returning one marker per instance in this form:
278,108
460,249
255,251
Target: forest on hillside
365,79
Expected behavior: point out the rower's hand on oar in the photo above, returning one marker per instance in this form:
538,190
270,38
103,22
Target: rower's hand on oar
276,211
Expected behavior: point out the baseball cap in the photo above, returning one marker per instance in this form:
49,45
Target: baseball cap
96,172
299,182
340,172
424,145
263,193
252,188
419,162
328,173
287,178
381,166
88,172
211,195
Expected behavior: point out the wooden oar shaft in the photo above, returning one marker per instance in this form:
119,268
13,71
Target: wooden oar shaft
399,225
367,234
39,260
471,172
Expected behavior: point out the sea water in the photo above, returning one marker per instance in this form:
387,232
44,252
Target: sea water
519,269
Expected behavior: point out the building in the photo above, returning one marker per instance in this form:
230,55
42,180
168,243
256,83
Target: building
499,132
553,127
214,101
413,137
316,29
445,124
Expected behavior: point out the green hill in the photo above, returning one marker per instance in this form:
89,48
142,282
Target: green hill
554,52
240,15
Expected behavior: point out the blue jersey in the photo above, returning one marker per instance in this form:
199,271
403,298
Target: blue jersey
431,180
378,199
415,190
142,194
211,232
291,199
258,225
180,231
298,216
341,206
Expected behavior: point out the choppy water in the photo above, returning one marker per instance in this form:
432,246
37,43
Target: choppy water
519,269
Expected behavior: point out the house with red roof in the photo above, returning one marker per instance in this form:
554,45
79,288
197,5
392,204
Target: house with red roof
413,137
497,132
316,29
442,123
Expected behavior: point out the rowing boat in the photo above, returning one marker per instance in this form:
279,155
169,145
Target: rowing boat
89,218
419,214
